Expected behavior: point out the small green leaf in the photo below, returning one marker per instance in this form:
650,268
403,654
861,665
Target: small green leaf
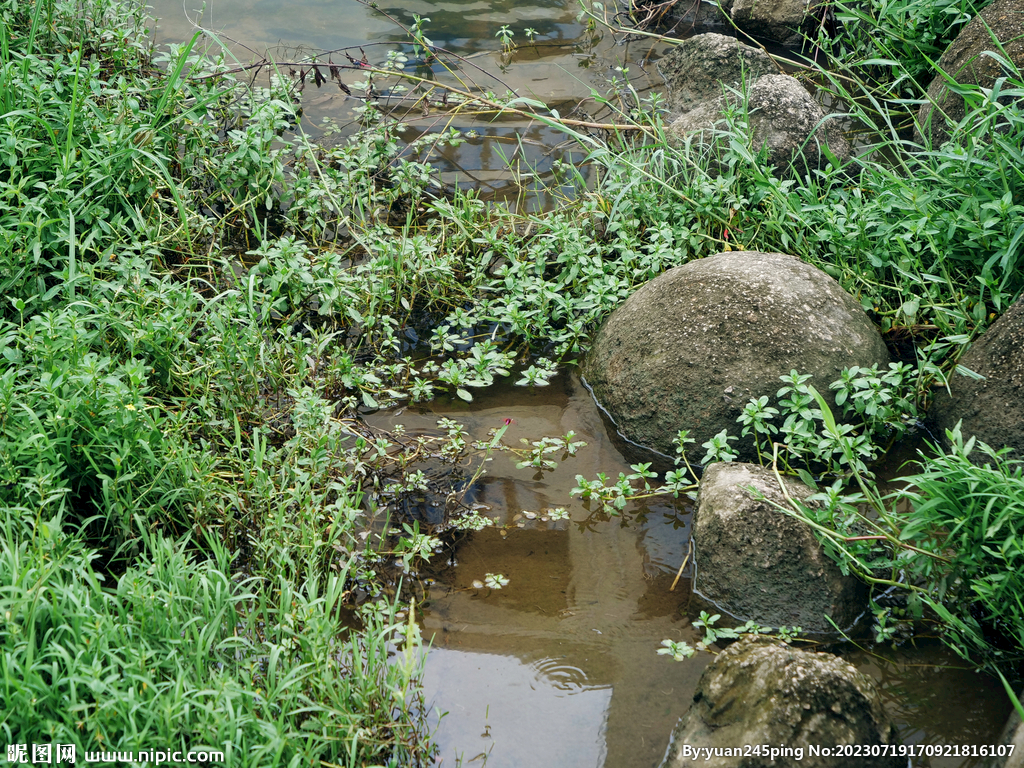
826,412
807,478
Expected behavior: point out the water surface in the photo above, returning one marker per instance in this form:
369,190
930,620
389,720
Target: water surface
560,667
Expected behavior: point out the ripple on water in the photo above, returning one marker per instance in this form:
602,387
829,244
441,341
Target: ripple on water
563,679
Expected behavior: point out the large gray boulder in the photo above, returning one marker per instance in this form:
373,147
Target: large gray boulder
758,692
992,410
698,69
756,563
781,21
964,62
692,346
781,115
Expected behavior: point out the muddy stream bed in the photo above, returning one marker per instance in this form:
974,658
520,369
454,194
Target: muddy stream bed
557,669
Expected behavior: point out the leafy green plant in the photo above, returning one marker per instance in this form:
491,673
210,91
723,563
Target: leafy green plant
677,649
967,504
680,650
718,448
505,35
176,652
495,581
538,456
413,545
876,35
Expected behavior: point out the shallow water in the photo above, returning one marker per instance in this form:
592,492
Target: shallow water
560,667
563,67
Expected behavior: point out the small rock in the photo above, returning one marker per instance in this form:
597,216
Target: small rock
1013,733
698,69
782,21
756,563
781,115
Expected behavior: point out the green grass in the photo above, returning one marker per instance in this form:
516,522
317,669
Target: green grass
177,653
973,512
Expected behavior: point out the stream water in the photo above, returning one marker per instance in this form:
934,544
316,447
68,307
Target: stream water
559,668
563,67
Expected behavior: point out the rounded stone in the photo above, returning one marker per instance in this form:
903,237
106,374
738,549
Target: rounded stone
990,409
782,117
760,692
700,68
692,346
754,562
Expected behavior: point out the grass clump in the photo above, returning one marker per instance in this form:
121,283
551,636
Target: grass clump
973,514
161,584
175,652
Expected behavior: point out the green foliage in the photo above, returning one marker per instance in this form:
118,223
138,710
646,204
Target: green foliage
879,408
177,653
199,300
881,35
677,649
539,455
949,540
495,581
505,35
970,508
718,448
79,434
680,650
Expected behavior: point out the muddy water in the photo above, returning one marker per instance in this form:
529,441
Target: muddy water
562,67
559,667
555,668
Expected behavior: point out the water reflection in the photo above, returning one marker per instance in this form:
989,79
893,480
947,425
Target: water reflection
586,607
499,705
559,668
561,67
470,26
932,695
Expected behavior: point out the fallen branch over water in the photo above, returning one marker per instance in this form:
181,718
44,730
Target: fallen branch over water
491,106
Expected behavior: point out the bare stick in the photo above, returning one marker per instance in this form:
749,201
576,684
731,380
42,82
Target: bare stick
689,549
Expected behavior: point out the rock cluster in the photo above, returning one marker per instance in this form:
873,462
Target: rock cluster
710,75
783,22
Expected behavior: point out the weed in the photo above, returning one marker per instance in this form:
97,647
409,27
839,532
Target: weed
505,35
